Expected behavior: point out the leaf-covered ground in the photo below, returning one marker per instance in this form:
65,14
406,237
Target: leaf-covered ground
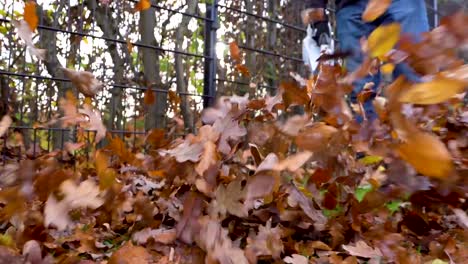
258,182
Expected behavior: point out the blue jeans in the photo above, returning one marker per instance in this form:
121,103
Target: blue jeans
412,16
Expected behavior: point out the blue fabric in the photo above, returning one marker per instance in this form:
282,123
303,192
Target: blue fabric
412,16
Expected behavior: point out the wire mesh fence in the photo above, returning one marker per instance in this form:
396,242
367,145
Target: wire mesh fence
160,66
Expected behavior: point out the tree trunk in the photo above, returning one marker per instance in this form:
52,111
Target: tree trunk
181,79
108,25
156,117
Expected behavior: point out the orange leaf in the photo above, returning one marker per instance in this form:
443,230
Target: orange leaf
142,5
149,97
129,45
235,52
30,15
374,9
427,154
383,39
243,70
434,92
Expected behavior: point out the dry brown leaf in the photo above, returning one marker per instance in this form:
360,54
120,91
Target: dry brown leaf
162,235
267,242
25,33
84,81
243,70
95,122
427,154
130,254
462,217
361,249
316,137
30,15
5,123
294,124
228,199
374,9
297,198
296,259
436,91
187,152
294,162
84,195
229,130
235,51
208,158
383,39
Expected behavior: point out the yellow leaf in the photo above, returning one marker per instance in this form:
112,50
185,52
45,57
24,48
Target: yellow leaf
387,68
383,39
436,91
374,9
427,154
142,5
30,15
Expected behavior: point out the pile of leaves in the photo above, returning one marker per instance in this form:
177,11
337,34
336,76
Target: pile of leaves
258,183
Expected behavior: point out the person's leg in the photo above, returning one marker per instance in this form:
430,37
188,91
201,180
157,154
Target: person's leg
350,29
412,16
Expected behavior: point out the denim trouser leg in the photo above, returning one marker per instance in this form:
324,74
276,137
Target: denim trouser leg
412,16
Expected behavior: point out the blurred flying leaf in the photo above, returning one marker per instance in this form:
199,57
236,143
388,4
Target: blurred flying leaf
30,15
142,5
149,97
235,52
84,81
25,33
5,123
243,70
374,9
427,154
436,91
95,122
383,39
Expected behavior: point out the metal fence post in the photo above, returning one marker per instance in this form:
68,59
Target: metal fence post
211,25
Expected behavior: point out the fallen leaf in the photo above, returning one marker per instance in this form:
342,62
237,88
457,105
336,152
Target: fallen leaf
462,217
129,254
229,130
267,242
296,197
142,5
84,195
296,259
84,81
427,154
187,152
374,9
162,235
293,162
315,137
361,249
436,91
228,199
5,123
235,52
383,39
208,158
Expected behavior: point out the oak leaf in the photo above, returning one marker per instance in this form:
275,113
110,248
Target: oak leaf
162,235
235,52
208,158
84,81
228,199
95,122
84,195
361,249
